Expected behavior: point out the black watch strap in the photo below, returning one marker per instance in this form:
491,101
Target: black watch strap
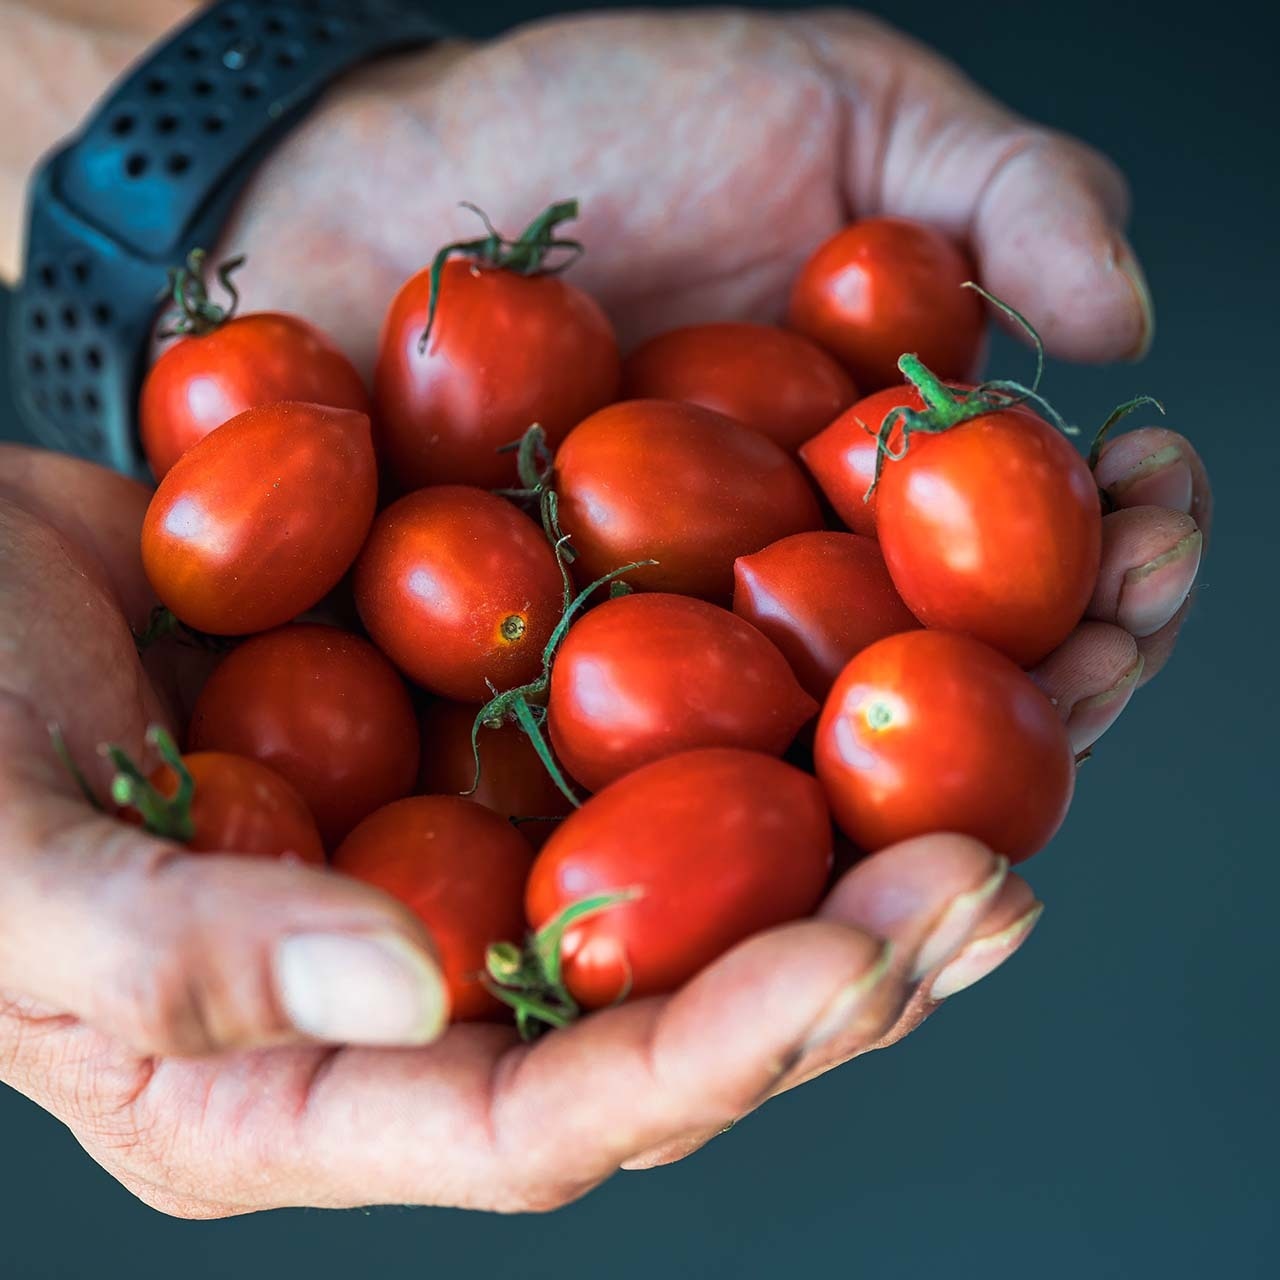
151,175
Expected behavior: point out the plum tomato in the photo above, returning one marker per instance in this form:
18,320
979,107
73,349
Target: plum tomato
715,845
258,521
885,286
459,867
510,345
778,382
820,597
647,676
460,590
680,484
930,731
325,710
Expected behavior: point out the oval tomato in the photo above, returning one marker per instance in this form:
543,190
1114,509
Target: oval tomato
680,484
260,519
460,590
820,597
460,868
205,379
780,383
716,844
647,676
325,710
929,731
513,781
885,286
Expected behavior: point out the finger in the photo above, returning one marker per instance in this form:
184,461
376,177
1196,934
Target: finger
1090,678
1157,648
1155,467
1150,557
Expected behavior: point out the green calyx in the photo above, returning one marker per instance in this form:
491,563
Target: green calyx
166,816
525,256
195,313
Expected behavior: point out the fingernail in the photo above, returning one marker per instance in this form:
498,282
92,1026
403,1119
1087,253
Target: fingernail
375,989
1091,717
1163,479
957,922
848,1004
1153,592
983,956
1132,272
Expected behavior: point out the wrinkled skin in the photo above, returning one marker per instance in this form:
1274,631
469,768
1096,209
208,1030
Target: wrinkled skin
95,1033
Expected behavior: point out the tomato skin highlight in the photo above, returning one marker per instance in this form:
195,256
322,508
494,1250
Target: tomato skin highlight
884,286
777,382
202,381
505,351
929,731
680,484
325,710
993,529
821,597
458,587
459,867
247,530
648,676
719,843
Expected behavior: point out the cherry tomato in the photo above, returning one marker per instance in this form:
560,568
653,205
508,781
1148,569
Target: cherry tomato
820,597
460,590
777,382
513,781
460,868
647,676
929,731
325,710
203,380
680,484
884,286
717,844
260,519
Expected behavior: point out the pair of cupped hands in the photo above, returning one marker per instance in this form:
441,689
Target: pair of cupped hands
225,1035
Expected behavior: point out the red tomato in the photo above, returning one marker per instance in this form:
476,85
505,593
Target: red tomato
505,351
994,529
884,286
325,710
676,483
929,731
764,377
513,781
459,589
261,519
460,868
646,676
719,844
203,380
820,597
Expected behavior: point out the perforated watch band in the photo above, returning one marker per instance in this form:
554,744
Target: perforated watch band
151,175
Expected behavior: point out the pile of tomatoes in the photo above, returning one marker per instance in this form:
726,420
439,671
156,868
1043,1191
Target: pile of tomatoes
580,656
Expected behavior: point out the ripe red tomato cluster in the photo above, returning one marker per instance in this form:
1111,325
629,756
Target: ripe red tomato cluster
599,601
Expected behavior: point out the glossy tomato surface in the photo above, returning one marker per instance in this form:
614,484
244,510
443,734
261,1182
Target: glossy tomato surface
260,519
820,597
461,868
648,676
993,529
680,484
764,377
240,806
202,381
505,351
513,781
716,845
325,710
460,590
885,286
929,731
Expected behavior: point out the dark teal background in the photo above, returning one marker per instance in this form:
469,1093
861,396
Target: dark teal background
1106,1105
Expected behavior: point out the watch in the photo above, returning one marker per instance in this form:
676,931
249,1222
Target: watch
150,176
